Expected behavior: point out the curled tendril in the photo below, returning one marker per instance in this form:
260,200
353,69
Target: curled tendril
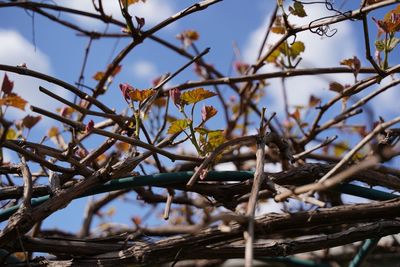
325,30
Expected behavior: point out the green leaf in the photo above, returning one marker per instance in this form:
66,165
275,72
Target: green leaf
201,130
279,26
380,45
216,138
178,126
298,10
393,43
196,95
278,29
273,56
340,148
11,134
296,49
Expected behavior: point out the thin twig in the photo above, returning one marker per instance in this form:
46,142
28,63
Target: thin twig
349,155
259,177
26,174
335,180
326,142
216,152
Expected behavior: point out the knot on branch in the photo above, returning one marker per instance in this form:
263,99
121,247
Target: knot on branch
273,139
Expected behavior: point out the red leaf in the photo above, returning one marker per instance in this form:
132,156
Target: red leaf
126,89
241,67
140,22
175,95
156,81
89,127
7,85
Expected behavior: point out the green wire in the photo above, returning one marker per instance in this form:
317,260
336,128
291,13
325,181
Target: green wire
159,179
165,179
367,246
293,261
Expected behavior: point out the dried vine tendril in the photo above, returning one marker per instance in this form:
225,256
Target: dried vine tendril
325,30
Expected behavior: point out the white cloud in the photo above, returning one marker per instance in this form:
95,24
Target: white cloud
319,52
154,11
145,69
269,207
385,103
17,50
226,166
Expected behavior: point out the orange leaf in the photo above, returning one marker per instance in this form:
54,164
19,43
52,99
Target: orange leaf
208,112
196,95
140,95
30,121
66,111
353,63
127,3
13,100
98,76
296,114
160,102
313,101
188,37
122,146
137,220
192,35
102,158
336,87
53,132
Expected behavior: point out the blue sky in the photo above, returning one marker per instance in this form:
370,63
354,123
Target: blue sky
56,50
